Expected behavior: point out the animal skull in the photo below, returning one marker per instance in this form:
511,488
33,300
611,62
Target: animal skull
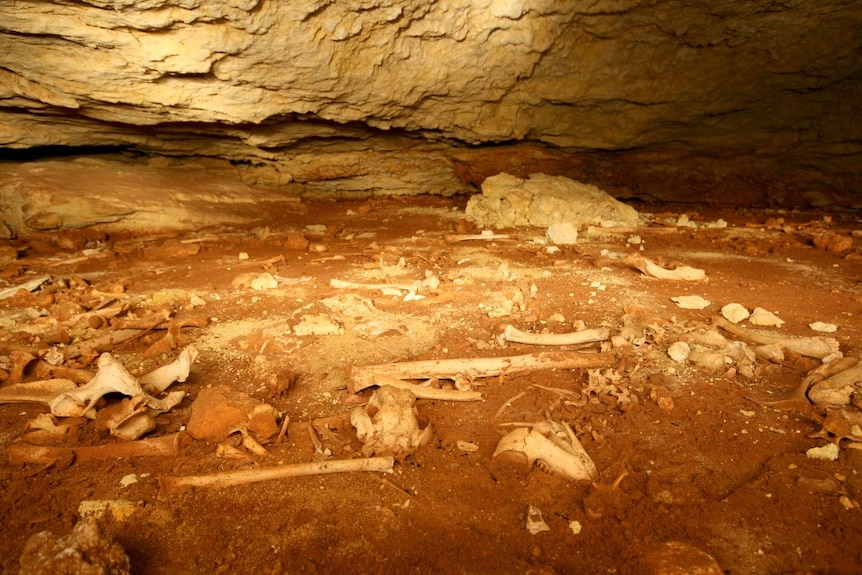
387,425
552,446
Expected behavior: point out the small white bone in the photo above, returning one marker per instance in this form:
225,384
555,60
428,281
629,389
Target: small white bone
161,378
422,392
650,268
169,484
513,334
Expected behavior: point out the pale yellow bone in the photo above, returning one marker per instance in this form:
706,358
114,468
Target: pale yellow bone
513,334
170,484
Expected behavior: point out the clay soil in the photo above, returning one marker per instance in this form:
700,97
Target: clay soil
684,454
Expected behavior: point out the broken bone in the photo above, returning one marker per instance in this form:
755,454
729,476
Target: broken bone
43,391
639,262
513,334
825,349
837,390
552,446
170,484
466,369
388,425
161,378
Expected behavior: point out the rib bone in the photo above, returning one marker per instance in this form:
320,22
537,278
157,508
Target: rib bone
825,349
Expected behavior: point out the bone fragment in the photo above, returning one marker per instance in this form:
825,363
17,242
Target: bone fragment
43,391
160,379
456,369
639,262
825,349
171,484
837,389
103,343
422,392
513,334
30,285
164,446
454,238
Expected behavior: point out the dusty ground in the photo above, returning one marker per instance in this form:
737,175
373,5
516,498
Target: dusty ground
684,454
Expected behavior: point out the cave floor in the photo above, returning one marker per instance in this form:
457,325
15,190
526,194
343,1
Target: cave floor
696,464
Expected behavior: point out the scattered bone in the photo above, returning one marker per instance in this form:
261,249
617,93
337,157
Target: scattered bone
85,550
102,343
111,377
388,425
454,238
828,452
822,348
43,391
467,369
552,446
403,286
129,419
508,403
467,446
161,378
841,424
515,335
19,360
30,285
837,389
763,317
639,262
164,446
427,392
535,523
172,484
691,302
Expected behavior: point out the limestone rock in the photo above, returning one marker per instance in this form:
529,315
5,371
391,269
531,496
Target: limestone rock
85,551
222,410
542,200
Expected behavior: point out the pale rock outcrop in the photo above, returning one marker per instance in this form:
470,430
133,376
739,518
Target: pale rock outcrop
773,90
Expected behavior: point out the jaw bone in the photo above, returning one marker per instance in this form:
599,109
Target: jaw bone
552,446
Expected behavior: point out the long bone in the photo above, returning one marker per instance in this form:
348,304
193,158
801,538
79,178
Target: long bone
515,335
164,446
169,484
825,349
460,370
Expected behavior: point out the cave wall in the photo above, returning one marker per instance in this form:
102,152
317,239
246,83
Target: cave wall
676,100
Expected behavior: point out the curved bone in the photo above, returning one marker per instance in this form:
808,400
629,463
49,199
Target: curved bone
513,334
553,447
111,377
825,349
160,379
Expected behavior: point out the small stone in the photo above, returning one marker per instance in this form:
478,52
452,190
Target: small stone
242,256
763,317
679,351
563,234
734,312
828,452
691,302
823,327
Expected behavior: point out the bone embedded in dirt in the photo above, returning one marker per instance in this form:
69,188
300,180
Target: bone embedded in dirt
163,377
163,446
552,446
470,368
388,424
170,484
639,262
735,312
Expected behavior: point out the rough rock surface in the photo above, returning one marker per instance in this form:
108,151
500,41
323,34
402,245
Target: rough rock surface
85,551
543,200
313,87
